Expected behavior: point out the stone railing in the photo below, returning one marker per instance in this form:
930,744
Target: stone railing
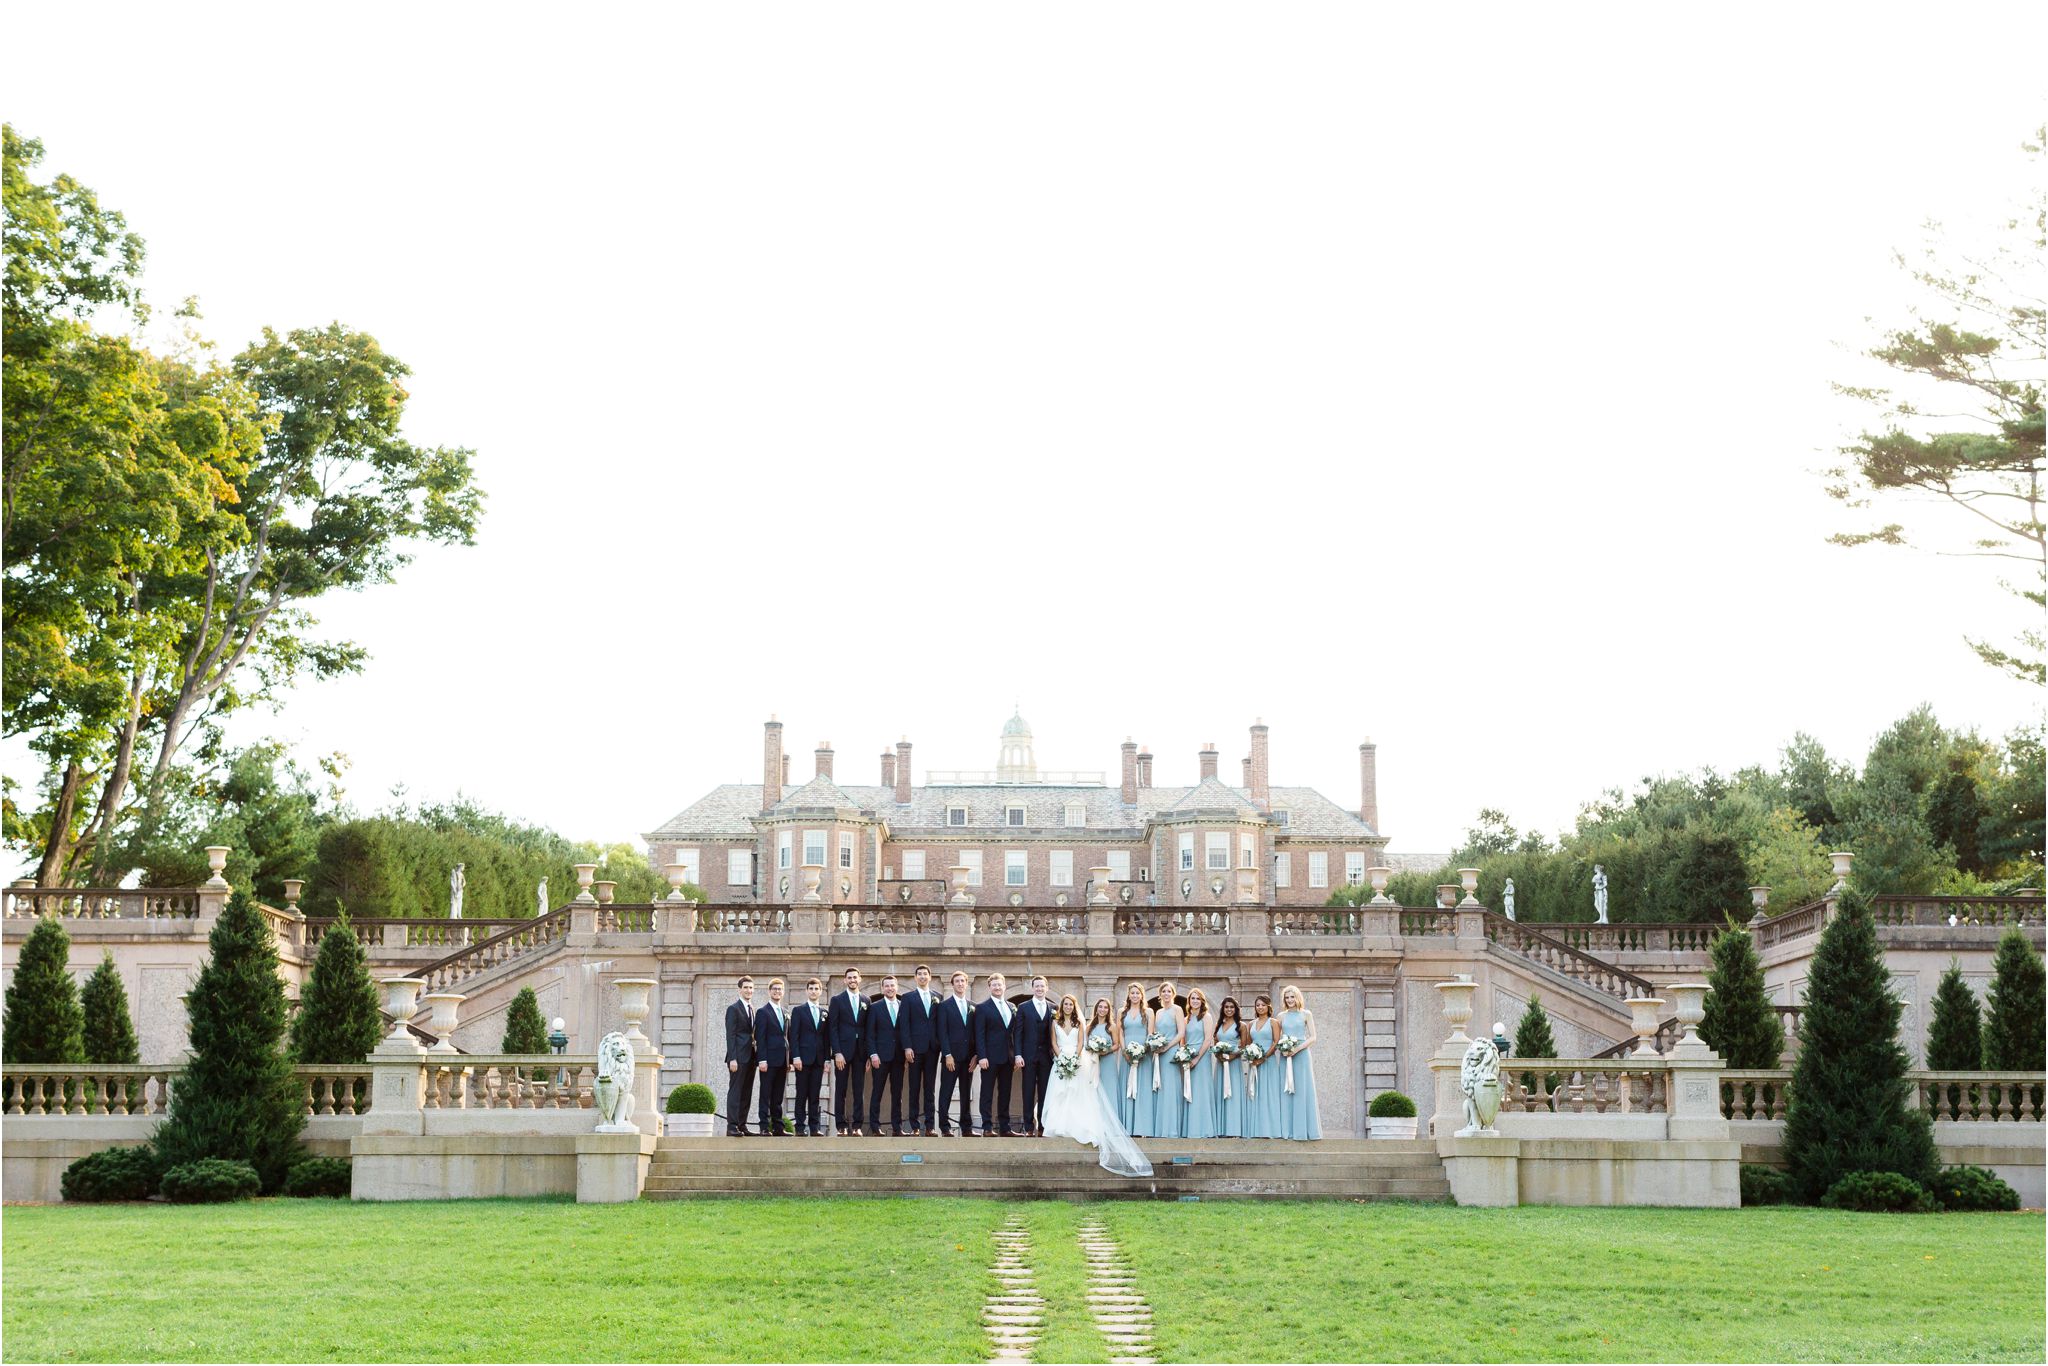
2000,911
1676,936
743,919
1963,1097
145,1089
109,903
1793,924
1538,947
1012,920
523,938
922,891
888,920
411,932
1613,1086
1322,920
1150,920
1426,924
626,918
510,1081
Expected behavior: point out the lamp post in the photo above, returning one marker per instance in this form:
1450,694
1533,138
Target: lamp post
558,1039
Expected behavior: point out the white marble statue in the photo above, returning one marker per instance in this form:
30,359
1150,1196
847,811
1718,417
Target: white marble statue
1599,895
541,892
1507,898
1479,1079
615,1084
455,893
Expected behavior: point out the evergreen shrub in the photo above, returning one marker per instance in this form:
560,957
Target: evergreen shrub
210,1181
113,1174
339,1020
43,1021
1879,1192
109,1030
2014,1036
1974,1188
1740,1022
692,1098
319,1176
1391,1105
1533,1039
1763,1185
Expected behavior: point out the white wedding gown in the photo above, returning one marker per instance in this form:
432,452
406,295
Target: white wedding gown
1077,1107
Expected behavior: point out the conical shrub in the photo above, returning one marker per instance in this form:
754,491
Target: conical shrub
43,1021
1740,1022
2013,1025
339,1021
109,1029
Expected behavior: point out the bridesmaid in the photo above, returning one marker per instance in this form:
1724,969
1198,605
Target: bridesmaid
1298,1109
1169,1112
1134,1079
1102,1025
1202,1083
1230,1108
1262,1083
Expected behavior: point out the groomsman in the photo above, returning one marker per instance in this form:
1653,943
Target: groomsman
771,1040
1034,1046
807,1056
954,1025
885,1059
739,1059
846,1032
995,1057
920,1054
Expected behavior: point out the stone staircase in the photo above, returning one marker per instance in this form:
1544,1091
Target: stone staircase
1045,1169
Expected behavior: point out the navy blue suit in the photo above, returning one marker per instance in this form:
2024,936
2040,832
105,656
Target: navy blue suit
845,1031
954,1042
995,1044
921,1072
1034,1044
885,1046
807,1046
771,1042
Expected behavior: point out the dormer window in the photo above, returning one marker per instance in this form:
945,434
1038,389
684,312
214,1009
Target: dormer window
1077,815
1280,816
1013,815
956,815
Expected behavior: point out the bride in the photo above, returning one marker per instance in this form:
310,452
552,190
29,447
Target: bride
1076,1104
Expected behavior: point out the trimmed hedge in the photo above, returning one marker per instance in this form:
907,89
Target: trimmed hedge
210,1181
1391,1105
113,1174
319,1177
1879,1193
1974,1188
1763,1185
692,1098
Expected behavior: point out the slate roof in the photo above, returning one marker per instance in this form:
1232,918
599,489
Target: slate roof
729,809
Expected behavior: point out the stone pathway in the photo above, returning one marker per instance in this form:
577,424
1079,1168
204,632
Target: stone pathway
1014,1313
1121,1314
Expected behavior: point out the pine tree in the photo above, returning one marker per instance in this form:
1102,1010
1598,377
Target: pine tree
109,1030
1954,1039
525,1031
339,1020
43,1021
1852,1108
1740,1023
237,1098
2013,1022
1533,1040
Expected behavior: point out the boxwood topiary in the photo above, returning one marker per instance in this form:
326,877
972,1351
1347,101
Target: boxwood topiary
319,1176
1391,1105
1967,1188
1763,1185
209,1181
1879,1193
692,1098
113,1174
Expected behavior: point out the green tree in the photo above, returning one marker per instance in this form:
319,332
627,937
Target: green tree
1954,1039
109,1029
1852,1107
1533,1040
339,1020
1971,354
1713,881
43,1021
1740,1023
525,1031
2013,1020
238,1098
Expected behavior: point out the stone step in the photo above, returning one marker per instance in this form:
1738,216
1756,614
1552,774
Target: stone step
1194,1182
1040,1192
1153,1148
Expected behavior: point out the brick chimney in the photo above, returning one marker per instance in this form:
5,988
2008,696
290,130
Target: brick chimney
888,769
1208,757
773,765
785,770
1369,785
903,772
1144,769
1256,776
825,759
1130,783
1247,762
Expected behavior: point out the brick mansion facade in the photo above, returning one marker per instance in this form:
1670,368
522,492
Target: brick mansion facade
1024,837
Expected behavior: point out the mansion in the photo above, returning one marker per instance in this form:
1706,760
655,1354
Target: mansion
1023,836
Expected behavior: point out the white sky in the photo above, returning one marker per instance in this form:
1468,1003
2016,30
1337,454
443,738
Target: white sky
1453,377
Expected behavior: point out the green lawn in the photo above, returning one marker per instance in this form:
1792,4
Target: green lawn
904,1280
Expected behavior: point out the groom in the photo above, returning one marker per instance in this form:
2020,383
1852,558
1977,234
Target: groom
995,1057
1034,1046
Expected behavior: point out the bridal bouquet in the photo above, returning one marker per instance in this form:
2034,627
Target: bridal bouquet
1183,1057
1134,1053
1226,1051
1157,1042
1289,1045
1252,1054
1066,1065
1135,1050
1102,1045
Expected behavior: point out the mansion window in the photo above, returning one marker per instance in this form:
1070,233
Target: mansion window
1354,866
1119,861
970,859
1013,815
1016,872
1187,852
691,871
739,867
814,848
846,849
783,842
1062,868
1077,815
1318,869
1247,851
1218,849
1283,869
913,863
1280,816
956,815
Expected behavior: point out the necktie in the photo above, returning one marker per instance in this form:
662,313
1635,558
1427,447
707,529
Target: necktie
892,1012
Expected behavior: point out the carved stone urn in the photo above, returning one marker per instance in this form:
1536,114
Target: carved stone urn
1098,886
217,860
677,874
1643,1019
1840,858
1692,1008
442,1023
812,874
584,873
1378,877
633,1006
1457,1001
1468,879
401,999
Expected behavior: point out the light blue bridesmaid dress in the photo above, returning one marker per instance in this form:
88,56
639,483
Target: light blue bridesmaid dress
1297,1111
1202,1117
1169,1111
1230,1109
1262,1112
1135,1112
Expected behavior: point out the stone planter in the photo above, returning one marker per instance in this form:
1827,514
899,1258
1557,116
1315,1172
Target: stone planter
1392,1128
686,1126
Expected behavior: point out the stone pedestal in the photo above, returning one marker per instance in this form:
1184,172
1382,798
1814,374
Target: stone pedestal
1695,1097
1102,927
1484,1172
612,1168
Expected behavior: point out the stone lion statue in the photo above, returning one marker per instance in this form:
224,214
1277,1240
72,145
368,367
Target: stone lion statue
1479,1079
615,1083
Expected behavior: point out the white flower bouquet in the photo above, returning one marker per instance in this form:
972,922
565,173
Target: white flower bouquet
1182,1056
1253,1053
1226,1051
1066,1065
1135,1050
1289,1045
1102,1045
1158,1042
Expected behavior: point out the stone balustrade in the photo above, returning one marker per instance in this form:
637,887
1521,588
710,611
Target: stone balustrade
1639,937
144,1089
1955,1097
411,932
516,942
112,903
509,1082
1619,1086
